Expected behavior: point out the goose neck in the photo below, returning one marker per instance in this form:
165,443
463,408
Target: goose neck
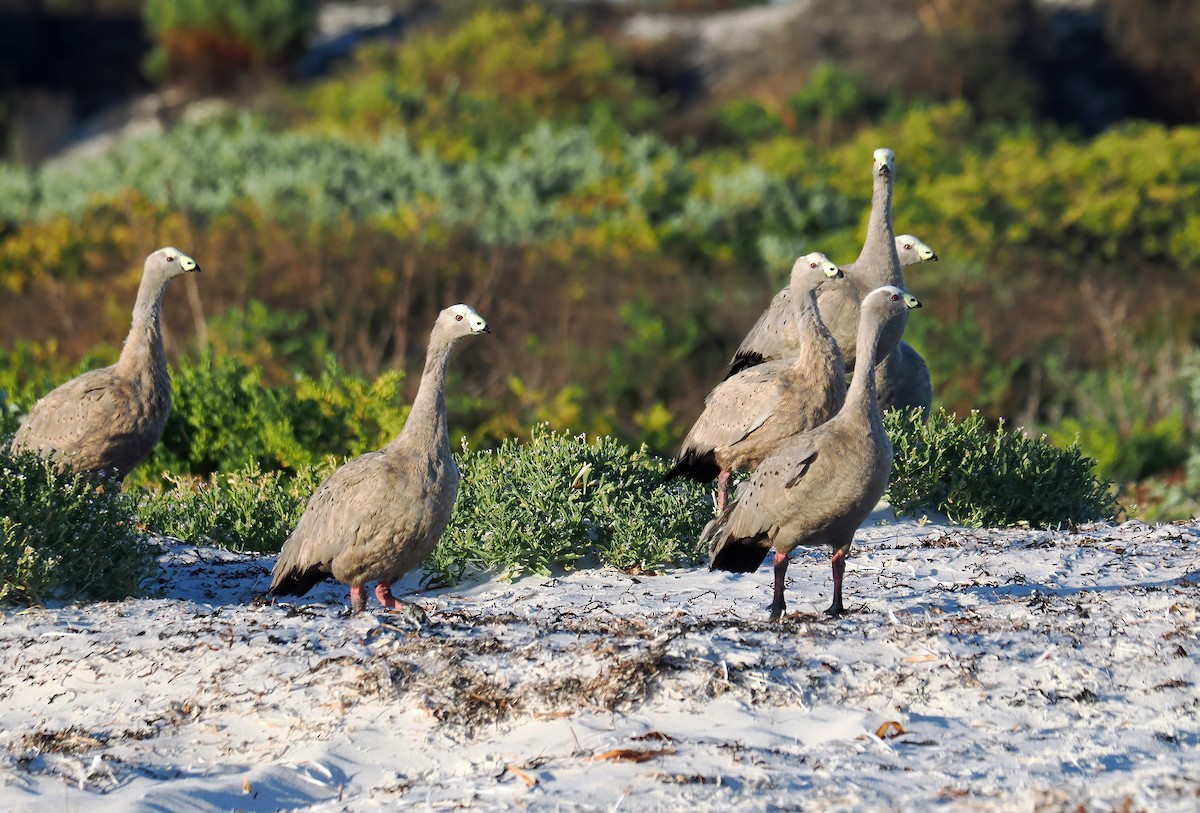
878,258
143,349
862,395
427,419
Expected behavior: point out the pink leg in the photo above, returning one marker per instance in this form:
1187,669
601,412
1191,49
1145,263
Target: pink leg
778,605
383,592
839,570
358,598
722,489
408,611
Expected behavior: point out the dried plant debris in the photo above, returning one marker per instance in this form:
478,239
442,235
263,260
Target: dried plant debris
1068,659
73,740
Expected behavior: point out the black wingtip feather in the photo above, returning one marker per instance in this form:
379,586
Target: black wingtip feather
743,361
738,556
297,582
702,468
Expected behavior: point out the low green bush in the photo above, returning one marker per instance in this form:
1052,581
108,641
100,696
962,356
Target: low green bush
66,537
983,477
1145,449
243,510
224,417
551,503
560,499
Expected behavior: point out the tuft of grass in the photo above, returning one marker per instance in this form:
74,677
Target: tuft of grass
982,477
243,510
550,503
67,536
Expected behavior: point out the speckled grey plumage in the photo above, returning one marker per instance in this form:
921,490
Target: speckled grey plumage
108,420
378,516
747,416
878,264
902,380
818,487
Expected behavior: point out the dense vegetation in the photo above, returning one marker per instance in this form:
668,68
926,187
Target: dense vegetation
62,536
517,161
552,503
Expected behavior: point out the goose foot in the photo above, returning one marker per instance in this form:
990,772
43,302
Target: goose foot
411,612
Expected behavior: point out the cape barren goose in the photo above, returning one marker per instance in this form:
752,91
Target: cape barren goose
106,421
747,416
381,514
878,264
902,376
912,250
818,487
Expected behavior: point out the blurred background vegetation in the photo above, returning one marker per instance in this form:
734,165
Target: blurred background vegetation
619,189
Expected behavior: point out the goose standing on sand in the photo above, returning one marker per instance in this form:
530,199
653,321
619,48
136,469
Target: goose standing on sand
818,487
381,514
107,421
878,264
747,416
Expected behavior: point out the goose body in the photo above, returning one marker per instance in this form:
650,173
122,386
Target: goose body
817,488
748,415
107,421
381,514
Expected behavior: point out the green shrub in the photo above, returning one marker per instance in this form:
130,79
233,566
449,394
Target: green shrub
981,477
244,510
482,84
1144,449
211,42
65,537
224,417
559,499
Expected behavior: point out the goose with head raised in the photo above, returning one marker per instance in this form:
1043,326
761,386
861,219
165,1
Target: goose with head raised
107,421
380,515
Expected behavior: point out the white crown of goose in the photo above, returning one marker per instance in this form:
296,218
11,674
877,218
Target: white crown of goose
821,261
468,313
891,291
172,254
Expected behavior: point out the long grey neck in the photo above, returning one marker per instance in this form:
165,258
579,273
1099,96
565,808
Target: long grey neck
426,424
809,311
878,259
143,349
861,397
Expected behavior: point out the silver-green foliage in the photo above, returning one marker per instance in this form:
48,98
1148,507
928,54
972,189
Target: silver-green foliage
243,510
560,500
984,477
527,192
67,537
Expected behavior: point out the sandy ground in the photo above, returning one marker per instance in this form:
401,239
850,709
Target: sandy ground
978,670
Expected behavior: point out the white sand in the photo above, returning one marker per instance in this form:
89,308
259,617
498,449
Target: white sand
1025,671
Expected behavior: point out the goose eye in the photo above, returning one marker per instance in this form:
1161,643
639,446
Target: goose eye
458,317
170,259
895,297
908,246
812,265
